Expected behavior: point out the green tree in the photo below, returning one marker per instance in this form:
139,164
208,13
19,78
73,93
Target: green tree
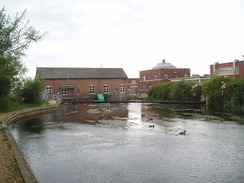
31,91
215,91
15,37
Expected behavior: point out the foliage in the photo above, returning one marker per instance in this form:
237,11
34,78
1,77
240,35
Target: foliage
177,91
214,91
181,91
221,92
225,93
15,37
31,90
234,96
160,92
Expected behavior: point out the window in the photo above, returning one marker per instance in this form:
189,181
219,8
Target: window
105,89
122,88
64,91
186,75
143,78
237,69
133,81
228,70
156,77
166,76
49,90
149,86
92,89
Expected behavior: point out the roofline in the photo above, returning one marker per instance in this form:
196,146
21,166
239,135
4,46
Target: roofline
165,69
228,62
79,68
85,78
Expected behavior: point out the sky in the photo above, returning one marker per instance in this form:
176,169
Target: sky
132,34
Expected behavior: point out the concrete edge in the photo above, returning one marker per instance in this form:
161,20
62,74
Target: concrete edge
25,169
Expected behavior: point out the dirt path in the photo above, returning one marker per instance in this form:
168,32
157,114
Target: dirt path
9,169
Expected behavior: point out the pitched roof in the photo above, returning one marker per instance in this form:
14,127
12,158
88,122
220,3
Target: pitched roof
81,73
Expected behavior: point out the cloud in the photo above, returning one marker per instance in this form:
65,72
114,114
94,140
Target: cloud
134,34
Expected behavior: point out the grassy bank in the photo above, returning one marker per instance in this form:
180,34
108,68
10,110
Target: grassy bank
16,107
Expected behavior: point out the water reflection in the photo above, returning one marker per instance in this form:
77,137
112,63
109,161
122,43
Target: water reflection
113,143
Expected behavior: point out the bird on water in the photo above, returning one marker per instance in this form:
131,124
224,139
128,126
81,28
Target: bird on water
182,133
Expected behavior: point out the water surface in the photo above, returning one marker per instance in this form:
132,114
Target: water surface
114,143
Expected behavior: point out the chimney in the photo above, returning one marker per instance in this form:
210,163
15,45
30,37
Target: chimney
164,61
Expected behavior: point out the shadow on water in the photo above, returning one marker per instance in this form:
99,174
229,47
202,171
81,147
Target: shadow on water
32,126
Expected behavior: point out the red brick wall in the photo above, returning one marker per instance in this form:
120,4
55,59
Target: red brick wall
83,85
133,88
239,64
150,76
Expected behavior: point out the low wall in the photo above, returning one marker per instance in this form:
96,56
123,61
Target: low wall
25,169
28,113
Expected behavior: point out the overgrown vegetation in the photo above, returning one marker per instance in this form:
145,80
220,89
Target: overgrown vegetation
220,92
175,91
225,93
15,37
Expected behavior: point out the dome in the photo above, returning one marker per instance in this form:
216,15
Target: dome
164,65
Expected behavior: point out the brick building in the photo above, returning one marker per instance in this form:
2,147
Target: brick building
161,73
133,86
233,69
194,78
85,82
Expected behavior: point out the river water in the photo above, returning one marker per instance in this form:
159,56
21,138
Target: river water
107,143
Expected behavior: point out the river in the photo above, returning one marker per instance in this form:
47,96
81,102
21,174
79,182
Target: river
108,143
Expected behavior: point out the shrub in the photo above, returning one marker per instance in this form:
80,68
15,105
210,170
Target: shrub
177,91
31,91
159,92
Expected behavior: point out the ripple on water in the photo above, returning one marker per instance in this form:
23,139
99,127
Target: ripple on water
125,149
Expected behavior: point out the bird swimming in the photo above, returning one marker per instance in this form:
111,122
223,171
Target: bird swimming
182,133
151,126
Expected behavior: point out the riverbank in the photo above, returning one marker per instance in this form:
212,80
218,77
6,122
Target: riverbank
9,168
13,167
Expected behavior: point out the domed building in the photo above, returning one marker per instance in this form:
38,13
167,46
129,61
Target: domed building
161,73
164,65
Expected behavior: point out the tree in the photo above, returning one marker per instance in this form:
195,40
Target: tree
15,37
31,91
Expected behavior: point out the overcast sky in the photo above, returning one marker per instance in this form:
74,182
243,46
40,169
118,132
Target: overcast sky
133,34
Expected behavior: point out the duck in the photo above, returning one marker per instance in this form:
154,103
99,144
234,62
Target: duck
151,126
182,133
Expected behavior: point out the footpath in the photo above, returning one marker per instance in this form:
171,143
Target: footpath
13,167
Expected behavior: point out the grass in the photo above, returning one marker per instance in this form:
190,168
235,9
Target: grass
15,107
15,166
3,132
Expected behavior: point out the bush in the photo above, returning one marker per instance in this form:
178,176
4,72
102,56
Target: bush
177,91
214,89
31,91
159,92
221,92
235,95
182,91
